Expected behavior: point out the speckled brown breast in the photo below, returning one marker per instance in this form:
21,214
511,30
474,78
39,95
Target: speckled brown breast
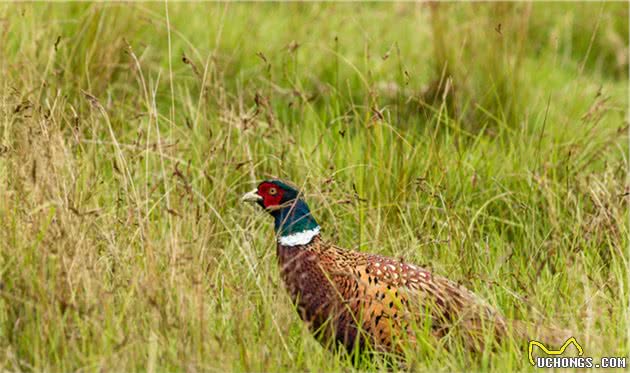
352,297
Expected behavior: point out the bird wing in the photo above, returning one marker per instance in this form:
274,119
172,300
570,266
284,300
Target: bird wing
385,297
447,305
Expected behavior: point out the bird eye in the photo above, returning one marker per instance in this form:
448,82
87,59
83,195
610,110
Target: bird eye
272,191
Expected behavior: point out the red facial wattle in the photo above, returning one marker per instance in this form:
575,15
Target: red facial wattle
271,194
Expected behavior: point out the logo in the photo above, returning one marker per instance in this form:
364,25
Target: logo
553,352
554,360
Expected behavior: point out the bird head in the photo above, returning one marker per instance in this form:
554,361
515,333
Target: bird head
272,195
284,202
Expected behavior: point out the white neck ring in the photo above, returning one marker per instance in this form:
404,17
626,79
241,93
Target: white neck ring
300,238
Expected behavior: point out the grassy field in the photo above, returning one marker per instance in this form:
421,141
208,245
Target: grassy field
488,142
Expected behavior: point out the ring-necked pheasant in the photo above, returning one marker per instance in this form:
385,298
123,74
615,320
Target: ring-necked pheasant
352,297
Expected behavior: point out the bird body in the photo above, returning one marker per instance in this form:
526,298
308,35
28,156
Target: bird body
356,298
353,298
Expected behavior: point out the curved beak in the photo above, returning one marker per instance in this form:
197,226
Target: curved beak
252,196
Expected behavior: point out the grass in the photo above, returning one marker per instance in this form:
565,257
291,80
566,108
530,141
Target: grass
485,141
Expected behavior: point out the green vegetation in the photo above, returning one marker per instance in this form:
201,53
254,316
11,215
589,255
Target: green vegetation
486,141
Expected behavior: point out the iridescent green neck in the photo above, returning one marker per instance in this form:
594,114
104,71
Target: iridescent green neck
293,219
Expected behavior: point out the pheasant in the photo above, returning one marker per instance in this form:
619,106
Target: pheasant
358,299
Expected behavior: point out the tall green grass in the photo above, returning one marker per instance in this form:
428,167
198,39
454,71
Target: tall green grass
485,141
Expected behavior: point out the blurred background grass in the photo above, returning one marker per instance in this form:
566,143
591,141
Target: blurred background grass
485,141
